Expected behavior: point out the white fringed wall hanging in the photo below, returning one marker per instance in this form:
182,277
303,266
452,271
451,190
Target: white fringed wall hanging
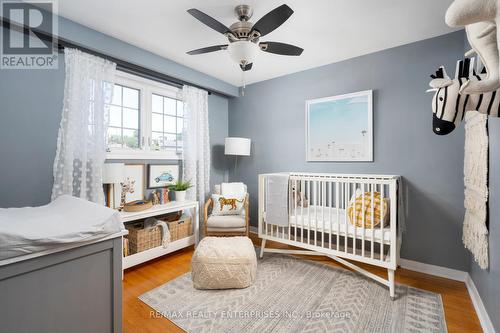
475,230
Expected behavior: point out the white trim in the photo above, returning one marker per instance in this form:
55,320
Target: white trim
481,312
444,272
130,154
448,273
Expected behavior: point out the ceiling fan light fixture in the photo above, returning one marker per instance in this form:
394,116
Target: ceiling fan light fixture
243,52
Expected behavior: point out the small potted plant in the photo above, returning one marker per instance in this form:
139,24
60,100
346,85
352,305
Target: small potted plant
180,188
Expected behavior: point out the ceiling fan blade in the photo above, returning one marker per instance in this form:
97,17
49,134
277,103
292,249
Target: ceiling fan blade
272,20
209,21
207,49
247,67
281,48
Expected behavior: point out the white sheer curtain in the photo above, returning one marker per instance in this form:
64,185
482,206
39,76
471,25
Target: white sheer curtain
81,143
196,152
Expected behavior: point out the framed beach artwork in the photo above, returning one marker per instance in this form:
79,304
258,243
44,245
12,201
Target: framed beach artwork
340,128
161,175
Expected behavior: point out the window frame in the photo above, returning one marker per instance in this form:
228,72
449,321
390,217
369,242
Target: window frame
146,89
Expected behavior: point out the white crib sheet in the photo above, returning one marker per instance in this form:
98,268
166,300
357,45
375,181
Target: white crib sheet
65,220
308,217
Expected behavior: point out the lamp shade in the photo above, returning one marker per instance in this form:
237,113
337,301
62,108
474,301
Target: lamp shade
113,173
237,146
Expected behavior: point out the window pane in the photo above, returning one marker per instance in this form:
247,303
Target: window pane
169,140
180,108
180,123
130,98
157,122
156,140
157,103
130,118
169,106
130,138
117,95
115,116
114,137
179,140
169,124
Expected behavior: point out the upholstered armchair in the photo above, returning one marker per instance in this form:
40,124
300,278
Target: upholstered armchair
228,225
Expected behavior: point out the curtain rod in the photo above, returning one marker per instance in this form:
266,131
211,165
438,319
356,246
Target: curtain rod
120,63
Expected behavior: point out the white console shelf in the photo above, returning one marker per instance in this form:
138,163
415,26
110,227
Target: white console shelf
171,207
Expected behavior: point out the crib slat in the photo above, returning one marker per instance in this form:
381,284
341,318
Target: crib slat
309,213
373,222
355,219
330,189
363,222
337,207
302,186
381,222
316,205
323,201
346,222
296,217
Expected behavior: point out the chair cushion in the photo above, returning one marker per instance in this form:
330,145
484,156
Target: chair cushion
226,221
233,189
223,263
226,230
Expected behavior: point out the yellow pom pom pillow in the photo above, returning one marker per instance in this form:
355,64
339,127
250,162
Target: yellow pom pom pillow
356,210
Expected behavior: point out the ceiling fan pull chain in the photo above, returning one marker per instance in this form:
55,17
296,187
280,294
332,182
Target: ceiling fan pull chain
243,83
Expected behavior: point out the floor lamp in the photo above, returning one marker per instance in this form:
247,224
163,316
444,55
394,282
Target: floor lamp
237,147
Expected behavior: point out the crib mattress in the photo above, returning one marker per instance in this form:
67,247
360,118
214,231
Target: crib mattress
64,221
311,218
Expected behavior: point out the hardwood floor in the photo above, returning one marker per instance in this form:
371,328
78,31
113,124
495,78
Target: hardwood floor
139,318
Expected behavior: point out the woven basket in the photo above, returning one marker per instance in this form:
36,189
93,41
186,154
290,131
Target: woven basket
180,229
141,239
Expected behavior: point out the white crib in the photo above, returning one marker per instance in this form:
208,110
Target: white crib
320,224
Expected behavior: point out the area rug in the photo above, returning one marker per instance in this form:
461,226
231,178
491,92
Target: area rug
297,295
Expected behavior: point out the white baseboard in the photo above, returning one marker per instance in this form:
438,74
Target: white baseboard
448,273
444,272
482,314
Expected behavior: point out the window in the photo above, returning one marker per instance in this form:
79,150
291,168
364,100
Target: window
145,120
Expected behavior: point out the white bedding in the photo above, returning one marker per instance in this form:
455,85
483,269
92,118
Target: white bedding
307,220
65,220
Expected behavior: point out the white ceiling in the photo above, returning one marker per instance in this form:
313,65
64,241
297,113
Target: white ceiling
328,30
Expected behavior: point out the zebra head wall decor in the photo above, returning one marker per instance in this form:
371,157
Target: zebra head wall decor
449,105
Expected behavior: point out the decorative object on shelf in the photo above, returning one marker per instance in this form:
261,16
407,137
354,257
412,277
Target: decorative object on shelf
237,147
161,175
127,187
155,199
180,188
475,229
448,104
134,176
137,206
113,173
340,128
480,19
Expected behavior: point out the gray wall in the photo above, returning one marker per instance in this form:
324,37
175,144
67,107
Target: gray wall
30,112
488,282
272,114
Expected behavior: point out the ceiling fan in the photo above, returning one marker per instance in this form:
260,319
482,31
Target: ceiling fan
244,36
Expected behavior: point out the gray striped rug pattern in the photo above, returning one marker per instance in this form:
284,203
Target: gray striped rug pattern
296,295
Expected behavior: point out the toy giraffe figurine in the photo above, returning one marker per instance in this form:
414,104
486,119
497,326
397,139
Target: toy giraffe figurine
127,187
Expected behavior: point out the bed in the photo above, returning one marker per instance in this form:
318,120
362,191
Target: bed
332,215
60,268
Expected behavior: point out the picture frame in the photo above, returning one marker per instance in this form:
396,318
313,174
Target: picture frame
134,173
340,128
162,175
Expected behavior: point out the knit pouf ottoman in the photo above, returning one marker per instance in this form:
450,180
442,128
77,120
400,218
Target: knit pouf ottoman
224,263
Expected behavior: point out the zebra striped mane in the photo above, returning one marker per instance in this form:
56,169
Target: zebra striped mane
463,70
